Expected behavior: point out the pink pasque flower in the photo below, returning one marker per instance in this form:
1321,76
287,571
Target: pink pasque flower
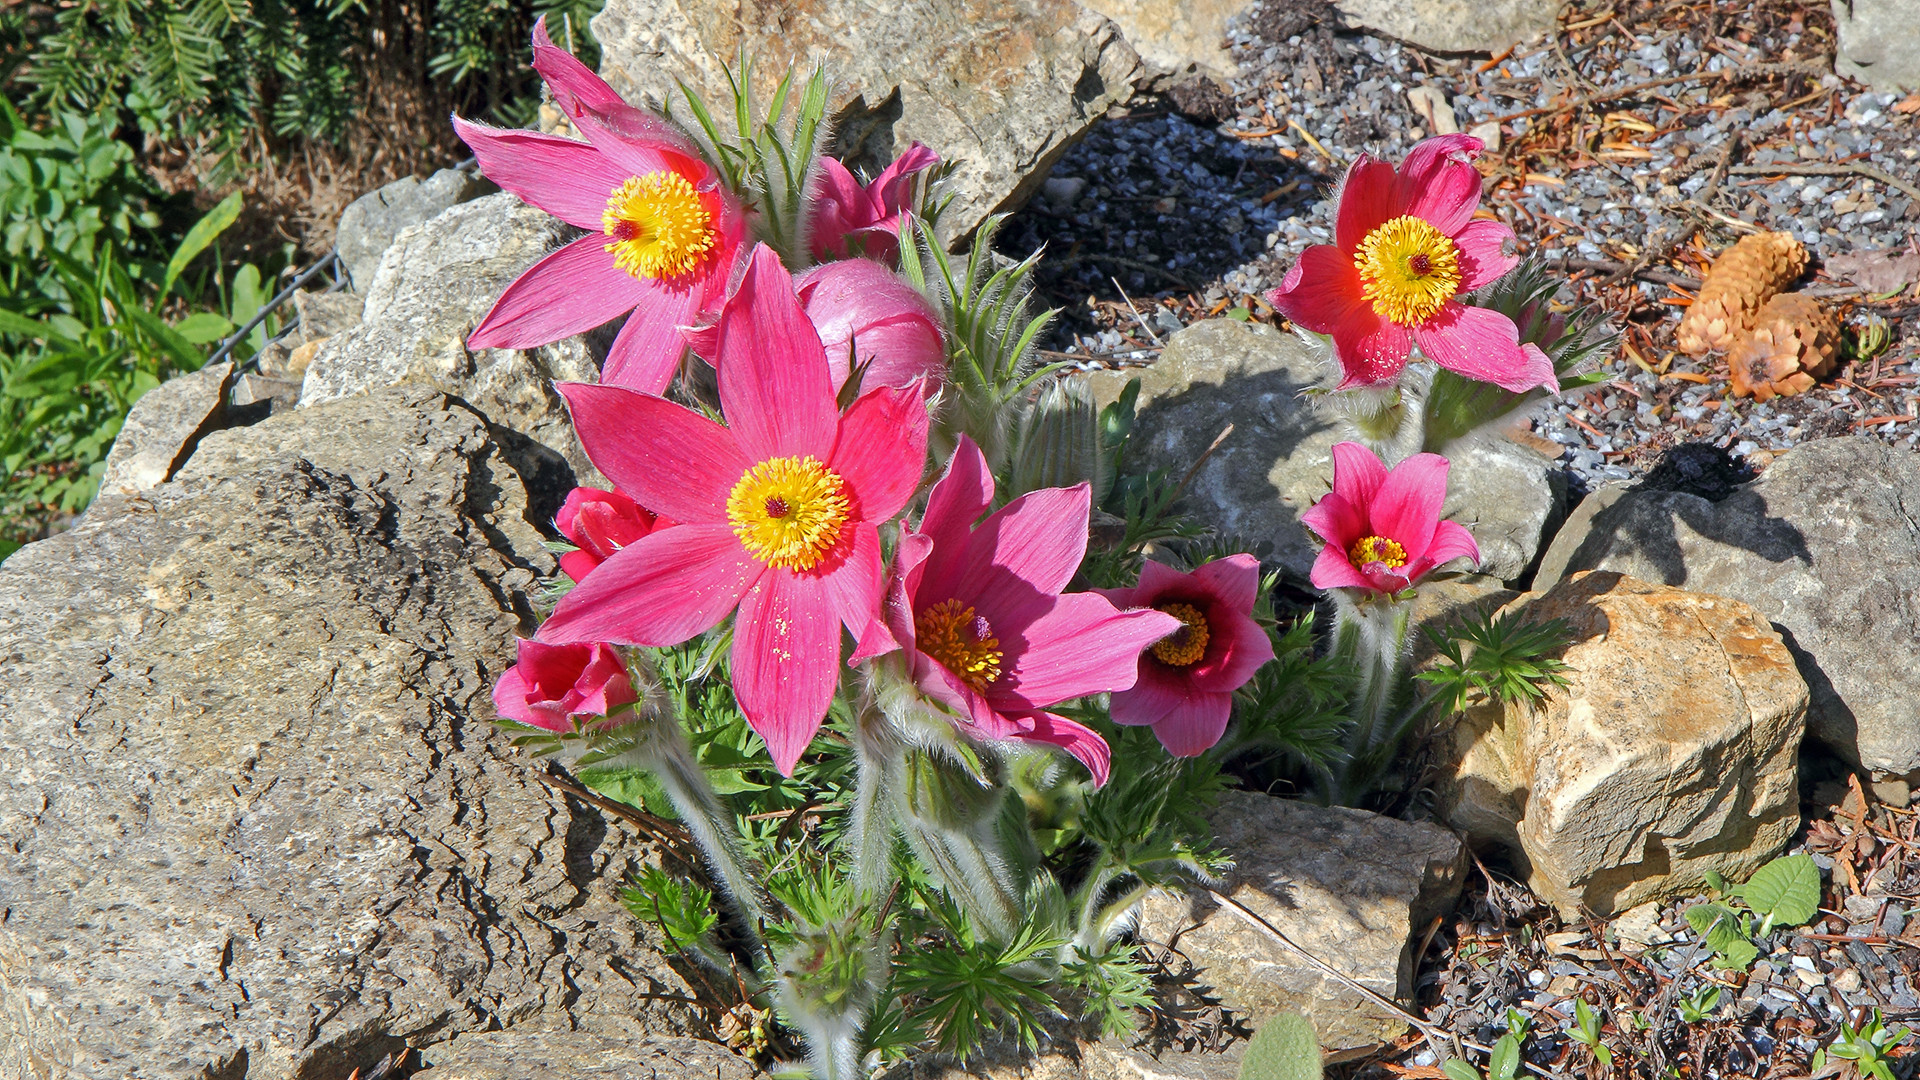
979,612
1382,529
552,684
864,219
1187,679
777,511
600,523
664,232
865,312
1406,247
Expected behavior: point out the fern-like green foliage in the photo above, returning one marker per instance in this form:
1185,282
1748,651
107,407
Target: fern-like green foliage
1503,656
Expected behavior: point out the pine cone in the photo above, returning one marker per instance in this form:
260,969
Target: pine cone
1794,342
1744,277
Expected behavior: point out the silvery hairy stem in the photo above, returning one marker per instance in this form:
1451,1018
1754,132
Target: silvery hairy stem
877,764
1372,634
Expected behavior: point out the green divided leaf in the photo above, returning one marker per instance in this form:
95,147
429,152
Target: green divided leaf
1785,892
1285,1048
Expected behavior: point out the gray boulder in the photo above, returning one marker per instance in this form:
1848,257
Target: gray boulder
575,1055
163,427
1879,43
254,819
1000,87
1457,25
1279,459
1826,544
435,284
370,223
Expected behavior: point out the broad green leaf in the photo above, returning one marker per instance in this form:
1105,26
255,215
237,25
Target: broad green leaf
183,352
12,322
203,233
1786,890
1285,1048
8,547
1459,1070
1505,1062
635,787
203,327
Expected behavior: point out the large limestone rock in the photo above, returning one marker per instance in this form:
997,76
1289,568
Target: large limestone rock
1001,87
254,819
370,223
1672,751
1826,544
1457,25
164,426
1176,37
1279,459
576,1055
435,283
1355,889
1879,43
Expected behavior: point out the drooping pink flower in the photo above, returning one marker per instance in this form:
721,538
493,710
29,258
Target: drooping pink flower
600,523
986,630
864,219
552,684
777,511
1382,529
867,315
664,232
1187,679
1406,247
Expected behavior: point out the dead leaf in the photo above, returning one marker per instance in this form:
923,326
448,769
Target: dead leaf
1877,271
1910,105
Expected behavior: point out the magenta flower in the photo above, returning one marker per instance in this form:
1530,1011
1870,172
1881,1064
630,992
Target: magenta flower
1382,529
867,314
979,612
777,511
552,684
864,219
1187,679
664,232
1407,246
600,523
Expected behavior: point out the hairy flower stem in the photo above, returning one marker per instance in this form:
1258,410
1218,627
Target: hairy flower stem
877,766
1380,418
1372,636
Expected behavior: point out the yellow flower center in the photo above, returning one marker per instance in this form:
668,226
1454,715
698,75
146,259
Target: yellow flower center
788,512
658,225
1377,549
1409,269
1185,646
951,633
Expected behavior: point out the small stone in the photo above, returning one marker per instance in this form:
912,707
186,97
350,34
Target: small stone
1063,191
1488,133
1848,981
1537,978
1432,106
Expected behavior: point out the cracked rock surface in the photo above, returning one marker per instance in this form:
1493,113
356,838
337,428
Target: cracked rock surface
254,818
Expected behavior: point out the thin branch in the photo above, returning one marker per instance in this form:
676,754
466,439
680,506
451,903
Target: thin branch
1735,74
1855,168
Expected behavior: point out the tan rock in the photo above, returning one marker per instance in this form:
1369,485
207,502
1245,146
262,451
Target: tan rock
298,360
1671,752
1178,37
1355,889
165,425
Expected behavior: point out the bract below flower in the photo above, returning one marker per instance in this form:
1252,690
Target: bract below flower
850,215
664,232
1187,679
1382,528
552,684
600,523
777,511
979,612
1406,248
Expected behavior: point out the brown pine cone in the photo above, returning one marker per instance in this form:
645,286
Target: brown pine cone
1744,277
1794,342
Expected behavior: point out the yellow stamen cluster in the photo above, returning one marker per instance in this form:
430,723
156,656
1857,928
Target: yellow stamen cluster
951,633
789,512
1185,646
658,225
1377,549
1408,269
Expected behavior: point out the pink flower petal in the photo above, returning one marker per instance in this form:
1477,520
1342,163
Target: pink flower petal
1077,739
575,87
956,502
1487,252
773,372
568,179
666,588
1331,570
1439,183
881,449
1322,290
1483,345
1451,541
1188,721
646,355
1336,521
786,660
1367,200
1234,581
1081,645
672,460
856,584
1239,647
1037,541
1371,348
570,291
1407,507
638,155
895,181
1358,474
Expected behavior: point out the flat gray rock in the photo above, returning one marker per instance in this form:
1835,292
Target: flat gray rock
999,87
1826,544
572,1055
435,284
1879,43
1457,25
163,427
255,821
370,223
1279,459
